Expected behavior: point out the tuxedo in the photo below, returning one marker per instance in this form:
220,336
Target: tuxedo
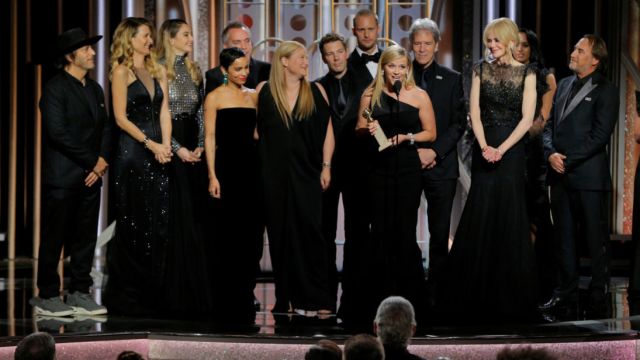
444,87
258,72
358,65
76,132
584,115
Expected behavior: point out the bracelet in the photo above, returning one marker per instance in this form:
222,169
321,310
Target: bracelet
326,165
412,139
145,142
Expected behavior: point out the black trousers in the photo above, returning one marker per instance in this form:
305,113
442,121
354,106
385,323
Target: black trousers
439,195
70,219
584,213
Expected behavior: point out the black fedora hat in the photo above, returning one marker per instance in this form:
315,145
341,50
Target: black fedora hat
72,40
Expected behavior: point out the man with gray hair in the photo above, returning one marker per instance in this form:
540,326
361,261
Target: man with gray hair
439,158
36,346
238,35
395,324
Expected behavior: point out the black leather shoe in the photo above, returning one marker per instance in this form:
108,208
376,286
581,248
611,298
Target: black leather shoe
555,303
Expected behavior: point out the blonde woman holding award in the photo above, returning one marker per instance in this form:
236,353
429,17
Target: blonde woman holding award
403,112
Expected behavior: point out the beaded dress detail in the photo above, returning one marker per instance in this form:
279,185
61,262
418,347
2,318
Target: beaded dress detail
184,292
491,265
136,255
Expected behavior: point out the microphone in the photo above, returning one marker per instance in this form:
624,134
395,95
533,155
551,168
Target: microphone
397,85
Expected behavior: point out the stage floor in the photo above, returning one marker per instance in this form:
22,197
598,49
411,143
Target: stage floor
17,320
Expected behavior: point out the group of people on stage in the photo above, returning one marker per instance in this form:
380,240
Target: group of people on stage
279,151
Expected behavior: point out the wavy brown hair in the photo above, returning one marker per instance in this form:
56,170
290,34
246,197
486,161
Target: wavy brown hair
122,50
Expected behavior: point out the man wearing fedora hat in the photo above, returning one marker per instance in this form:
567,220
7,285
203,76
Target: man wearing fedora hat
75,148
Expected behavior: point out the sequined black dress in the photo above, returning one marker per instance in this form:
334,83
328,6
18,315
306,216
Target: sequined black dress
186,292
136,256
491,265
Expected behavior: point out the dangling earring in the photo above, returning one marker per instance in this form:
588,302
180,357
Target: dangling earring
225,79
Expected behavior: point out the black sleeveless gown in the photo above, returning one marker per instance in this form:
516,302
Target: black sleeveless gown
136,256
291,163
491,270
395,187
237,216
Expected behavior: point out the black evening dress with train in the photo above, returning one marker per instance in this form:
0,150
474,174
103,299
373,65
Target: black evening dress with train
237,215
395,187
137,254
491,266
186,290
291,163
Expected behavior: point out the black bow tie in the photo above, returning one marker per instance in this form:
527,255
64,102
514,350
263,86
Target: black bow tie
366,57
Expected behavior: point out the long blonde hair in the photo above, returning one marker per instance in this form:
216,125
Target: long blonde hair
507,33
167,55
392,53
277,84
122,50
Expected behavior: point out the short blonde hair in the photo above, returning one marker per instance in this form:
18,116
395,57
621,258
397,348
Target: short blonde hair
507,33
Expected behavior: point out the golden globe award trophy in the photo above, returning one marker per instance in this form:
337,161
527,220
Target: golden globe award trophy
380,136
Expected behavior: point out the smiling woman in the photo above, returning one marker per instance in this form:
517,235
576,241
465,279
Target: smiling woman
186,266
296,145
492,254
405,115
136,255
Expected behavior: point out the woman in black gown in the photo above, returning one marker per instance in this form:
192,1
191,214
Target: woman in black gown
528,52
395,180
186,290
230,122
137,254
491,265
296,145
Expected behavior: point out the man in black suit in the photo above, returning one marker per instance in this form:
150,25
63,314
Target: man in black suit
75,148
342,88
238,35
440,158
575,143
364,58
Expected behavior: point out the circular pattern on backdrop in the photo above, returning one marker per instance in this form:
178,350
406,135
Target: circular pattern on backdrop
405,43
405,22
348,22
300,40
405,6
246,19
298,22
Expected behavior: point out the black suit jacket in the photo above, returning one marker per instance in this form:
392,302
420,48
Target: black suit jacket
444,87
75,133
398,353
258,72
582,132
344,125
